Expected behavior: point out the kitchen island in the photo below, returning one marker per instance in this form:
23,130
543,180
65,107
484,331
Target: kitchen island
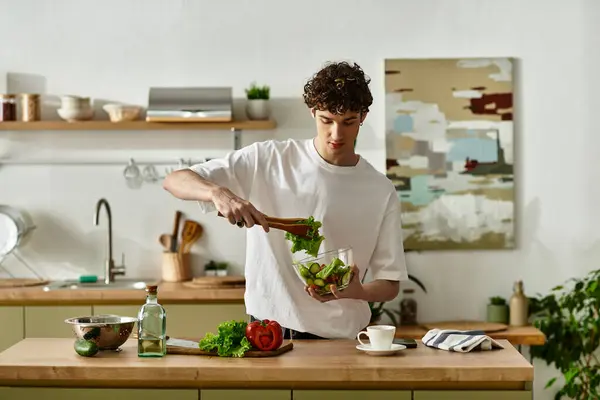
47,367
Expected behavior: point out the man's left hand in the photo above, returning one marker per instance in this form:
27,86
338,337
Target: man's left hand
354,290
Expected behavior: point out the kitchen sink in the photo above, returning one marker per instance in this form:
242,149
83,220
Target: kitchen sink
120,284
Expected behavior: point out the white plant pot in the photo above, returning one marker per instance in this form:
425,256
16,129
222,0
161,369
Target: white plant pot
221,272
258,109
211,272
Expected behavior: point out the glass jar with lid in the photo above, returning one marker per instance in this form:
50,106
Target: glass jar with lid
8,107
408,308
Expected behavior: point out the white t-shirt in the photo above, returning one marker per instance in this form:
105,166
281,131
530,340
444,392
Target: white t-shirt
357,205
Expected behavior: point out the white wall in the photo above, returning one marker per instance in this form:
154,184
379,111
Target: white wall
116,50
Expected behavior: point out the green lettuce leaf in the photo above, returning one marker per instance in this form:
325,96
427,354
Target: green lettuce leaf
310,245
230,340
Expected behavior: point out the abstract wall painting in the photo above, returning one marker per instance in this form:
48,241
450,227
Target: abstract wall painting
449,151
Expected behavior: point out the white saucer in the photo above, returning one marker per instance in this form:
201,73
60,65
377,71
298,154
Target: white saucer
367,349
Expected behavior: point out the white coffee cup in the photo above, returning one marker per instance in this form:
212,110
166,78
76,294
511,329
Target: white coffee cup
380,336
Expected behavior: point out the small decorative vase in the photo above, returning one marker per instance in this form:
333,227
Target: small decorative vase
497,313
258,109
519,306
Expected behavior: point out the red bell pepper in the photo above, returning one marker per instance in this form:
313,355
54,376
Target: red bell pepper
264,335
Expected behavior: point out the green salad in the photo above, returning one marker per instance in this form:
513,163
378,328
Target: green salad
313,243
321,276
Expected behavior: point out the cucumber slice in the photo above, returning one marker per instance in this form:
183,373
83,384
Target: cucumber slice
304,272
319,282
309,281
346,278
314,268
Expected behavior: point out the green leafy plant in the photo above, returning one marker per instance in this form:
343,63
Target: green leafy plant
377,309
255,92
211,265
569,316
222,265
497,301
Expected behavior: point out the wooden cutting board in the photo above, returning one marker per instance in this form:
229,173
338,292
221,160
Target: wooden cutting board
212,282
190,348
21,282
467,326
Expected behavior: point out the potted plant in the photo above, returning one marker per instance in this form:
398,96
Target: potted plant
210,269
497,310
222,268
570,319
257,107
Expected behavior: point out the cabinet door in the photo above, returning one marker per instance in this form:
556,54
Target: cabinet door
351,394
124,311
186,320
49,321
12,393
472,395
196,320
244,394
11,321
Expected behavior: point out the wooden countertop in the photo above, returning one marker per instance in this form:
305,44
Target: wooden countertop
168,292
311,364
517,335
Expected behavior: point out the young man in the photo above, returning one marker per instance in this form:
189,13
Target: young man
321,177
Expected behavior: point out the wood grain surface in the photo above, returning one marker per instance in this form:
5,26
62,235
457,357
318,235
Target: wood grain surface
312,364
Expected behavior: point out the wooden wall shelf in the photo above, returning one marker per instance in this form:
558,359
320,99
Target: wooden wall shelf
242,125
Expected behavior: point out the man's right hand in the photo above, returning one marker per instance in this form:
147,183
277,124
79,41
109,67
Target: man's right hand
236,209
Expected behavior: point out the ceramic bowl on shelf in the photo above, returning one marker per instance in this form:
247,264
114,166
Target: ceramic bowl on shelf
327,268
108,331
120,112
70,102
76,114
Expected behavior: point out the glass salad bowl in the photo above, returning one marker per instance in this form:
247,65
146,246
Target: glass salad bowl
331,267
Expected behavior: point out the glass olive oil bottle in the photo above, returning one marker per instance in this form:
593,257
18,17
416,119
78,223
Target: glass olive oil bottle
152,326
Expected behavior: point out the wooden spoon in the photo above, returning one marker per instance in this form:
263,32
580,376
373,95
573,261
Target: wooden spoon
291,225
191,232
165,240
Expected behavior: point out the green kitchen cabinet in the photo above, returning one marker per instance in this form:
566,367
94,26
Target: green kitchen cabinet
49,321
351,394
473,395
11,321
244,394
22,393
122,310
186,320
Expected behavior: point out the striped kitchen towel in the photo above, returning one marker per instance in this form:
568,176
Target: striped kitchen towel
459,341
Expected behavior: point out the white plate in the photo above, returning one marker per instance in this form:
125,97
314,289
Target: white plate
367,349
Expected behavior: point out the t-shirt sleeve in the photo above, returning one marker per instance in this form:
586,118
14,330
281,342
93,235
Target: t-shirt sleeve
235,171
388,261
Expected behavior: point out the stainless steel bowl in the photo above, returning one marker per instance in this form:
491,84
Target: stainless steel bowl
108,331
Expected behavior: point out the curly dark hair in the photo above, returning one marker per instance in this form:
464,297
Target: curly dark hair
339,87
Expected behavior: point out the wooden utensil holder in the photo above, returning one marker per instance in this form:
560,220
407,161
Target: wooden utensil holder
176,267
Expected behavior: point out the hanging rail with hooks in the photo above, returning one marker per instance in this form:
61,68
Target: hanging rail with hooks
40,161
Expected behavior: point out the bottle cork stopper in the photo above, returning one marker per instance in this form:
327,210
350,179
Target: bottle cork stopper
151,288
